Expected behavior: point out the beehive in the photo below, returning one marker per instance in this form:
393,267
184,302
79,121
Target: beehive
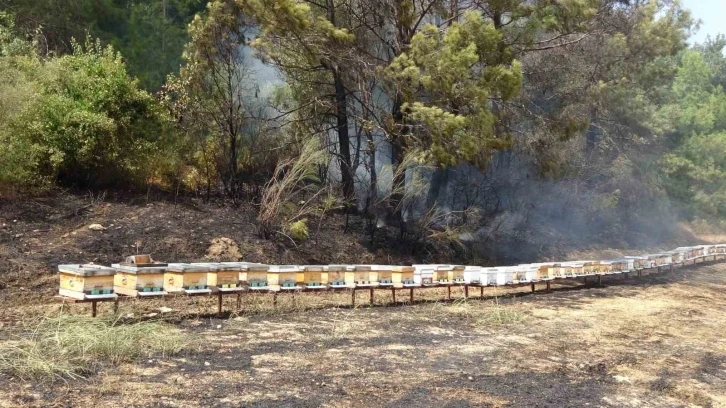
473,275
283,277
424,275
500,276
384,274
557,271
639,262
223,276
573,269
186,278
361,276
404,276
588,268
255,276
441,274
618,266
336,275
315,277
526,273
87,281
456,274
139,275
603,268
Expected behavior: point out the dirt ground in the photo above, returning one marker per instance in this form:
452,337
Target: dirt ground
653,341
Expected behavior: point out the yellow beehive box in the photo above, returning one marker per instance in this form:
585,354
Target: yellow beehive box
224,277
361,276
139,275
336,275
384,275
456,274
186,278
87,281
255,276
283,277
403,276
315,276
588,268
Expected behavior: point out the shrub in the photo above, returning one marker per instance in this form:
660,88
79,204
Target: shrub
299,229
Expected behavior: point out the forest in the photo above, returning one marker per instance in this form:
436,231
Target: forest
499,129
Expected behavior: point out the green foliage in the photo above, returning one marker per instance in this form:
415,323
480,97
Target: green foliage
298,230
150,35
449,81
79,119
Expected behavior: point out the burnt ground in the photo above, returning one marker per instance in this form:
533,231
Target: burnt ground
654,341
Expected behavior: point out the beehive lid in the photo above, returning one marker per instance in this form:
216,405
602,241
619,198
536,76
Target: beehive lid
136,270
313,268
219,266
338,268
473,268
187,268
382,267
402,268
285,268
86,270
362,267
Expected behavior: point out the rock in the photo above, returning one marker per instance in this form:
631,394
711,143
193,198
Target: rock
96,227
621,378
165,309
206,364
66,235
151,314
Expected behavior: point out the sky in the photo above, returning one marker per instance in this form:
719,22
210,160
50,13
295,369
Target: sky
712,14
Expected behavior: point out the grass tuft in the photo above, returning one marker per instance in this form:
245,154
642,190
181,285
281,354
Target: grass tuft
70,347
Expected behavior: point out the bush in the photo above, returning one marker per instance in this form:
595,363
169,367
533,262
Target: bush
80,119
71,346
299,229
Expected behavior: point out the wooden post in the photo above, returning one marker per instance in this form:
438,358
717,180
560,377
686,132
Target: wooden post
411,295
599,280
352,297
371,296
448,292
93,309
548,286
639,271
585,280
533,287
482,292
466,292
219,303
239,300
393,292
115,306
274,299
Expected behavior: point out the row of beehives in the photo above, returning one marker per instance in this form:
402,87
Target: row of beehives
141,276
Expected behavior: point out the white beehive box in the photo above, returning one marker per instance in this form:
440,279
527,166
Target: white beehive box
424,275
472,275
87,281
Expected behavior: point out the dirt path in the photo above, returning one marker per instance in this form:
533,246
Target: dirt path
653,342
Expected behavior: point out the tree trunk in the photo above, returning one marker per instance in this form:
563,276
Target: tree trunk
341,116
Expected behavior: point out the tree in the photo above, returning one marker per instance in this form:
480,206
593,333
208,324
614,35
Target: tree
214,88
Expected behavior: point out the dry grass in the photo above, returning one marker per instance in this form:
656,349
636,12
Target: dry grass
71,346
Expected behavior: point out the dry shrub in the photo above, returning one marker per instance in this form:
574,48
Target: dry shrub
282,195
